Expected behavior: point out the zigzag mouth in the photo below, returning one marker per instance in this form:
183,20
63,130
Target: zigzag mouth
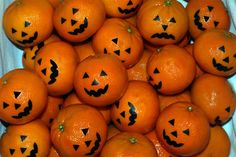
128,11
197,21
220,67
169,141
54,74
96,145
163,35
30,40
26,111
97,93
81,28
34,151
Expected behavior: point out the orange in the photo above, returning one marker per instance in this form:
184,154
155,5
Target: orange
30,139
137,110
183,129
171,70
84,50
55,63
28,22
100,80
215,96
76,133
23,96
75,20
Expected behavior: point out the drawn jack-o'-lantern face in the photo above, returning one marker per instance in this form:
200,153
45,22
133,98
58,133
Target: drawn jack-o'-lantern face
136,110
219,56
20,22
90,134
178,129
56,72
30,139
121,39
205,15
18,103
122,9
100,80
168,19
76,21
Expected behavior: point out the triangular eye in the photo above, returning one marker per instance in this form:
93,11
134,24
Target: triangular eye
210,8
103,73
227,109
157,18
74,10
234,55
63,20
186,131
13,30
172,20
27,23
85,75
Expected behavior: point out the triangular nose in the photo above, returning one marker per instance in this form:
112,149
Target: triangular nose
226,60
95,82
164,27
130,2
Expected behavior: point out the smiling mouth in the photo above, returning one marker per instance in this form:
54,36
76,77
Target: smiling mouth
169,141
97,93
30,40
220,67
81,28
128,11
26,111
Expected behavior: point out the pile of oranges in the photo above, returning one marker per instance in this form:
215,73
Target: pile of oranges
108,78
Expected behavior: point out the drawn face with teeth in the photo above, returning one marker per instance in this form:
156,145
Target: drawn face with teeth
124,8
77,20
100,79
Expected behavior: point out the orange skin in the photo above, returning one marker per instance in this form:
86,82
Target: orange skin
112,131
23,16
170,64
161,152
138,71
163,16
22,139
217,17
55,3
199,71
128,144
112,7
132,20
215,96
75,126
28,57
84,50
53,153
70,99
74,99
166,100
108,72
82,15
53,107
18,98
180,123
59,81
119,35
136,110
219,143
220,48
184,41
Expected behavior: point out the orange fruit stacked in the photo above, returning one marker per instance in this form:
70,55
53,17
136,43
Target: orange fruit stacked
101,78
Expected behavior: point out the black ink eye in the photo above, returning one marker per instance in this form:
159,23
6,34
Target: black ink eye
103,73
85,75
172,20
186,131
157,18
27,23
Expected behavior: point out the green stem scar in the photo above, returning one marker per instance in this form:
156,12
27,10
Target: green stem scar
133,140
190,108
168,3
61,127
